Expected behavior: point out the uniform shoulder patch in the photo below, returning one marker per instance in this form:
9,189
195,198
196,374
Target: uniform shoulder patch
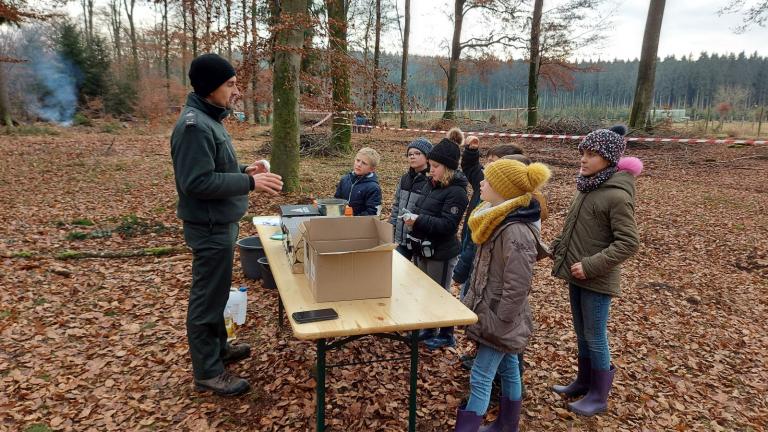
454,210
190,119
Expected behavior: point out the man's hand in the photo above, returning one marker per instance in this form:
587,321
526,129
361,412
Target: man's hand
577,271
258,167
268,182
473,142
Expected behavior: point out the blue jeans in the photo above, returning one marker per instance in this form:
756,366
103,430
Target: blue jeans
487,362
590,322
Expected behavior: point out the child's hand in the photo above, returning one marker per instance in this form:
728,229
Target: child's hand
258,167
473,142
577,271
410,219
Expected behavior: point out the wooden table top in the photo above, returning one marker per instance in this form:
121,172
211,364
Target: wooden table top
417,301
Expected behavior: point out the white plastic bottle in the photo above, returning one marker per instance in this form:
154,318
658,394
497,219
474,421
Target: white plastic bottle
242,303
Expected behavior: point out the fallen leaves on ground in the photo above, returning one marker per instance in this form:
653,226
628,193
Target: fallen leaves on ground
100,344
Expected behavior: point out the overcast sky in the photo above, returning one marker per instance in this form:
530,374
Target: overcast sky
689,27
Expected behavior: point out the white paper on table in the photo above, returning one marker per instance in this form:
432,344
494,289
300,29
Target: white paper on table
272,221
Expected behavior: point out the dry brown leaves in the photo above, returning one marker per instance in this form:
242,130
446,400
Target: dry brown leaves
99,344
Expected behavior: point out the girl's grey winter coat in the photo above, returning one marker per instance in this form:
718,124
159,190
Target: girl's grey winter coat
498,293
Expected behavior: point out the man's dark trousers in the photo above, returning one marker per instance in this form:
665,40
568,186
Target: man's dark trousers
213,251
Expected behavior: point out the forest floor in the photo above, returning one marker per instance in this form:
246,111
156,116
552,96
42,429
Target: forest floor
99,343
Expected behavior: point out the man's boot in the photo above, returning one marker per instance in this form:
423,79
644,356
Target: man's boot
509,417
235,353
596,400
443,339
467,421
580,386
224,384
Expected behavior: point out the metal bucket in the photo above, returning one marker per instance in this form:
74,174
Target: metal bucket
331,206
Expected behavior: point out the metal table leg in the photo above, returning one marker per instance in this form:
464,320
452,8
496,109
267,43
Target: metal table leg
414,343
280,311
320,389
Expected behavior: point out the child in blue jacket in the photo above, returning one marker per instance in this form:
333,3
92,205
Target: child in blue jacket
361,187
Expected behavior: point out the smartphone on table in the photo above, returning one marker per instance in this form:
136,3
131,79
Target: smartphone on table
314,315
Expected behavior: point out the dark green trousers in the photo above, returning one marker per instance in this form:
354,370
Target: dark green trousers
213,251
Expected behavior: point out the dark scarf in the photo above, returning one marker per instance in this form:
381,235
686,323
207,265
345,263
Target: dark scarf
588,184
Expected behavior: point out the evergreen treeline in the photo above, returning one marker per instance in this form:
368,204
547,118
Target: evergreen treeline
680,83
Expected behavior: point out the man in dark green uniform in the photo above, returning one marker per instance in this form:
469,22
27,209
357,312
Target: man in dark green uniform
213,195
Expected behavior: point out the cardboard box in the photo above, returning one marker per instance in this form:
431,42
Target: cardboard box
348,258
293,242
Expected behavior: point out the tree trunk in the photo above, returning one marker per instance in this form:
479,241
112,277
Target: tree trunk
208,21
647,68
167,53
285,91
247,61
255,63
366,52
533,69
115,20
193,16
134,72
228,5
87,6
308,58
341,131
376,55
184,44
453,66
5,109
404,66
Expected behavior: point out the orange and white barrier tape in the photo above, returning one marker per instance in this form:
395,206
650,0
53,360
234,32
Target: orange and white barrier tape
578,137
416,111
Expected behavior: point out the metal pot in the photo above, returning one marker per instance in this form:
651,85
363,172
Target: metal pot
331,206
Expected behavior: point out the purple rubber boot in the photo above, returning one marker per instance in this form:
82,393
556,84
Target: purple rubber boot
596,399
467,421
580,386
508,419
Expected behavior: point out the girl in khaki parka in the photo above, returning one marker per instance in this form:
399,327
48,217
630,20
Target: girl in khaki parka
503,227
599,233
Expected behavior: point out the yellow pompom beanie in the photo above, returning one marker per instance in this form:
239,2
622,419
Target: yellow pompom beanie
511,178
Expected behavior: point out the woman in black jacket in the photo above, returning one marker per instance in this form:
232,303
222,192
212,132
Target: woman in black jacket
434,223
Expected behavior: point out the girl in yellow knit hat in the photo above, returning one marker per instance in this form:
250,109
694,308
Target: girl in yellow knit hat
503,229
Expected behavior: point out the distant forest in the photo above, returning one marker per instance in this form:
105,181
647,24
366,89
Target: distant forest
737,79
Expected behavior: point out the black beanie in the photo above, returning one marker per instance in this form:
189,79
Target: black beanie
447,153
208,71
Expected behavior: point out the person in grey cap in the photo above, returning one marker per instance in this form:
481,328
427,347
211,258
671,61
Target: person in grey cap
213,195
408,191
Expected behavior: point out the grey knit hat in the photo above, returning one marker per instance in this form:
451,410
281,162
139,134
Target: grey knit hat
421,144
608,143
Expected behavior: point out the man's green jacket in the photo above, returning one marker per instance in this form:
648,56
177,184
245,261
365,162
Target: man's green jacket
213,188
